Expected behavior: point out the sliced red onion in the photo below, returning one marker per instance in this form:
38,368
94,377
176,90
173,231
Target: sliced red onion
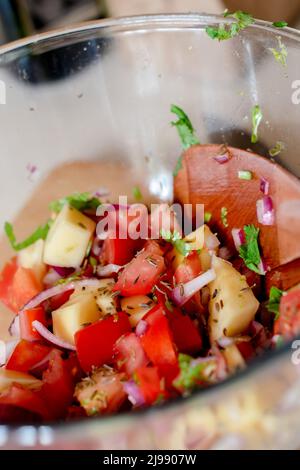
46,334
239,238
108,270
141,328
263,267
6,350
135,395
14,327
182,293
59,289
222,158
51,278
63,272
265,211
264,186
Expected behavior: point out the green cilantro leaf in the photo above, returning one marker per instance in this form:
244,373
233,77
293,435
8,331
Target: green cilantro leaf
281,53
79,201
191,376
280,24
277,149
249,252
256,120
184,127
137,194
274,301
176,240
40,234
207,217
224,214
230,30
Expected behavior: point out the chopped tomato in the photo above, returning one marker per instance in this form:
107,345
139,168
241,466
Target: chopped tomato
186,335
17,286
25,399
246,349
26,355
129,354
150,384
26,318
142,273
6,281
158,344
58,384
60,299
95,343
14,414
288,323
185,272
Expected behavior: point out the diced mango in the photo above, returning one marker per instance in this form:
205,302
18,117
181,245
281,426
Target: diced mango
80,310
232,303
106,302
32,258
136,306
68,238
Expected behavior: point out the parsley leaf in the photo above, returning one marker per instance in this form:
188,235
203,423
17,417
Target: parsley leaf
256,120
230,30
277,149
280,24
224,213
175,239
274,301
79,201
207,217
184,127
191,375
249,252
40,234
281,53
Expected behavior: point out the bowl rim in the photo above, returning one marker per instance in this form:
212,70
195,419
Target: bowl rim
132,22
163,19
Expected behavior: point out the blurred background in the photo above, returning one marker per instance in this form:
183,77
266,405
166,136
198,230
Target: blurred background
19,18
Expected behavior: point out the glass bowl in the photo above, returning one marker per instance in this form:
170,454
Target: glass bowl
88,107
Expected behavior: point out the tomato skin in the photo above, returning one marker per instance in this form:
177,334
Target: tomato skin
149,382
26,318
288,323
246,350
58,384
158,344
26,355
186,335
95,343
142,273
25,399
60,299
6,281
119,251
185,272
129,354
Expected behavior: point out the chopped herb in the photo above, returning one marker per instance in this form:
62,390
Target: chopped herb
224,214
137,194
40,234
79,201
281,53
256,120
245,175
280,24
178,166
185,128
93,261
191,376
169,305
176,240
207,217
67,280
230,30
274,301
279,342
277,149
249,252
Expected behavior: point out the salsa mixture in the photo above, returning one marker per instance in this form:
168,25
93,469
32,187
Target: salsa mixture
107,323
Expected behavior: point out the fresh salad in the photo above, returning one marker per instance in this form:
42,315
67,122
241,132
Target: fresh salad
106,322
